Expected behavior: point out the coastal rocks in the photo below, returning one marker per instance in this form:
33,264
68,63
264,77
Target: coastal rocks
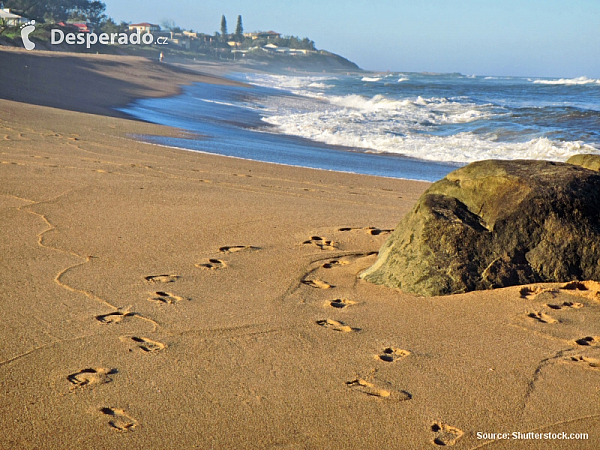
493,224
588,161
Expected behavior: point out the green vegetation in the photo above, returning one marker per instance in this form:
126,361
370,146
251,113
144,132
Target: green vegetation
110,26
170,25
223,27
239,30
286,41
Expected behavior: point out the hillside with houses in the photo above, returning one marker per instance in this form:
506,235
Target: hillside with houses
263,48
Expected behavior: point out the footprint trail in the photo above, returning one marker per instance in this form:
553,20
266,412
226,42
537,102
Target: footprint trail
120,421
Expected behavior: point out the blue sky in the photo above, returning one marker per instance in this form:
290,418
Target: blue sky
483,37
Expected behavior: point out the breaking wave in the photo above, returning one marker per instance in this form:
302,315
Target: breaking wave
569,81
453,128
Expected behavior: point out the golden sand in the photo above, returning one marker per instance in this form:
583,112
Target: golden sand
154,298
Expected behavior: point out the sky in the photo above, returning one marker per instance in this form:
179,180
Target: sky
539,38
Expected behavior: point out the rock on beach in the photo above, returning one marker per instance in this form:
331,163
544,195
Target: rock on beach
494,224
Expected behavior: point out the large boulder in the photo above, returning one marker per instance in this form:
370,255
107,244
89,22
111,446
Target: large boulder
588,161
493,224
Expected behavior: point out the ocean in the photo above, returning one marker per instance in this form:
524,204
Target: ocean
417,126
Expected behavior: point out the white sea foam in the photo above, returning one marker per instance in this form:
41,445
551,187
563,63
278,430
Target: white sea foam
400,80
300,85
205,100
337,129
370,79
569,81
383,125
315,84
405,126
376,103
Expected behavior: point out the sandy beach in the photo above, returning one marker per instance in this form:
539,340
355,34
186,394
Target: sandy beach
155,298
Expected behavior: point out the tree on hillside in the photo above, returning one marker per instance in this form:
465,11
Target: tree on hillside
291,42
239,29
308,44
223,27
92,12
110,26
169,24
95,13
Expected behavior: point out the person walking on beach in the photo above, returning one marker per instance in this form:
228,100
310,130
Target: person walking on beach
161,57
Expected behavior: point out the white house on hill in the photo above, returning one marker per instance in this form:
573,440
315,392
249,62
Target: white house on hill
11,19
144,27
263,35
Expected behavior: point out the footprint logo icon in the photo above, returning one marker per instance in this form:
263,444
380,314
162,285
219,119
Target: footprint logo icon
25,32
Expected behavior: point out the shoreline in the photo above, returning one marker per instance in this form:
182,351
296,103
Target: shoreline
60,80
283,164
223,127
156,298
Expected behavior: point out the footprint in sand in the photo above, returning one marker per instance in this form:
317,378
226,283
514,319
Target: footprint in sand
542,317
165,298
115,317
445,434
212,264
321,242
148,345
587,289
391,354
238,248
361,385
89,377
531,292
318,284
376,231
373,231
162,278
335,325
348,259
120,421
573,305
588,341
334,263
340,303
594,363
